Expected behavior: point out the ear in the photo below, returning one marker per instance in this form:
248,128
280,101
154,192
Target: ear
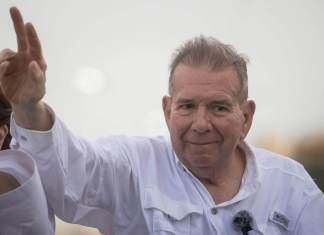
248,109
166,104
3,133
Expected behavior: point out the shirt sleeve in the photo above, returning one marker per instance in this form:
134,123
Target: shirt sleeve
24,210
85,182
311,220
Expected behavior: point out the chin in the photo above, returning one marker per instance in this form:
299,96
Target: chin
201,172
201,161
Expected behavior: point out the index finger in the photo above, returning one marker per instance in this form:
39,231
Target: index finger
19,28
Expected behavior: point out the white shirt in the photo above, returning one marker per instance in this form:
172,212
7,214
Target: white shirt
23,211
136,185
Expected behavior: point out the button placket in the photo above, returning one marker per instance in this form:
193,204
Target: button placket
214,218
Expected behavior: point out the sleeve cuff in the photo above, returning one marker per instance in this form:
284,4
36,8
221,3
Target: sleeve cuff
32,140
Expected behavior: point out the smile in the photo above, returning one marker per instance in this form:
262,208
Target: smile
201,143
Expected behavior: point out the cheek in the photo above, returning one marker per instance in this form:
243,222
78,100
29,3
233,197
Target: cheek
232,126
178,126
179,123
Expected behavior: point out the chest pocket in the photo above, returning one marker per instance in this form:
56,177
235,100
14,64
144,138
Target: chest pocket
169,216
277,223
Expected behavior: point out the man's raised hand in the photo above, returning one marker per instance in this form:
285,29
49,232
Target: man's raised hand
22,73
22,77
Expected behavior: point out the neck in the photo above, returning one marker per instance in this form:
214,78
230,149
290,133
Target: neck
223,182
230,169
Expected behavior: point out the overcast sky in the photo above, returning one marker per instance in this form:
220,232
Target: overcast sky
124,47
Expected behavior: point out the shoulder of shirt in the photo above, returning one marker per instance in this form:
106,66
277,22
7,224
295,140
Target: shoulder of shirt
137,147
140,152
135,140
271,163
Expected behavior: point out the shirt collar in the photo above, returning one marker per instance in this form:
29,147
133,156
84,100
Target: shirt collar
251,176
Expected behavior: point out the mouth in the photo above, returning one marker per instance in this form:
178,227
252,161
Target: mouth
201,143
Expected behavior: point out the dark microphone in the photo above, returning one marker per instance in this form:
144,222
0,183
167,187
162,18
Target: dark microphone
242,221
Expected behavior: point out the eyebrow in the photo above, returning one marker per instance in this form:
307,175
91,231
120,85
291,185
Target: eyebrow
214,102
184,100
222,102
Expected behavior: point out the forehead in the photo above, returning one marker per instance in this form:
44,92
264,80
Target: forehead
191,82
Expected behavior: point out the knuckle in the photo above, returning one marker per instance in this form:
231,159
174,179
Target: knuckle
43,65
6,53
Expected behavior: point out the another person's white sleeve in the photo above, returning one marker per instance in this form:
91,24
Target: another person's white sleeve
24,211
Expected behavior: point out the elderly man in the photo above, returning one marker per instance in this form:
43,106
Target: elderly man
208,180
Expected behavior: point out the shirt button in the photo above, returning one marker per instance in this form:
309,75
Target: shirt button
214,210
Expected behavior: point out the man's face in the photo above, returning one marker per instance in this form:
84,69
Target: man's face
205,117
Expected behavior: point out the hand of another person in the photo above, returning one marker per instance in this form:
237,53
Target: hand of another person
22,73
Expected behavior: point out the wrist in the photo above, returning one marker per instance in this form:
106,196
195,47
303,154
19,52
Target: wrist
33,116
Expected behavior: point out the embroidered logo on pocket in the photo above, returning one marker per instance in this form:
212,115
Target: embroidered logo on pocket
280,219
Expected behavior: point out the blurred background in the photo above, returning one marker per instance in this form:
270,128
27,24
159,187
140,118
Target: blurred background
108,65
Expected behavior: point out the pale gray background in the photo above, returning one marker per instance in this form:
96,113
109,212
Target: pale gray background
127,46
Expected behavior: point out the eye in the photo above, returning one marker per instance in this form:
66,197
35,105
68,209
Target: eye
186,106
219,108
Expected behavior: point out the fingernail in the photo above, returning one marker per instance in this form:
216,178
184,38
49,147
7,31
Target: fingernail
3,68
4,65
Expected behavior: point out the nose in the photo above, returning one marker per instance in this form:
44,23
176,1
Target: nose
201,123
